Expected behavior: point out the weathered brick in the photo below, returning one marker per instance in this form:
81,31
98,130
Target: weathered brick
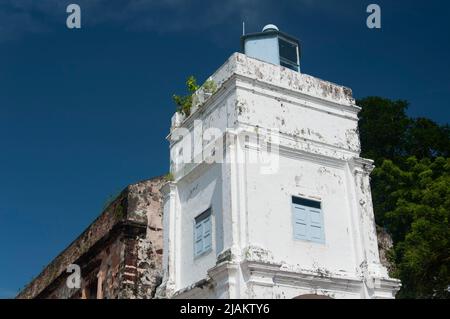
115,249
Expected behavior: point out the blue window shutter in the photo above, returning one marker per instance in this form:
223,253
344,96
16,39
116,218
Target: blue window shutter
300,222
207,233
308,220
316,233
198,237
202,233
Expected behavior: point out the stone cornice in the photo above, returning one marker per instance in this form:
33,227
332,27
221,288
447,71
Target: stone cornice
301,278
274,77
361,165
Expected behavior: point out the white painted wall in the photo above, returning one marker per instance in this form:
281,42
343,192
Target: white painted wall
196,196
271,215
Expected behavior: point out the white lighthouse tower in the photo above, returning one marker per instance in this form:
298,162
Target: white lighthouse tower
269,197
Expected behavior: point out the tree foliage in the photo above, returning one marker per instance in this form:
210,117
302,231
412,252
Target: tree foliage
411,193
386,132
184,102
416,211
382,125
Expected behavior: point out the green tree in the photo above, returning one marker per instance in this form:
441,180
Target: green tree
410,189
382,124
387,132
416,212
184,102
425,138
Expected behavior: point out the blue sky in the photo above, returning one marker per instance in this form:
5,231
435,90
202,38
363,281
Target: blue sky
83,113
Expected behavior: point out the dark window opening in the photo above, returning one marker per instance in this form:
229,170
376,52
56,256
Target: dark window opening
289,65
288,54
92,289
306,202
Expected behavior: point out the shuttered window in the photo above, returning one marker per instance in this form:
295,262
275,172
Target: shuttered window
202,233
288,54
308,220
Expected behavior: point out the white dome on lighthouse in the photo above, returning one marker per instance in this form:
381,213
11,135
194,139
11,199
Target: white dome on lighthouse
270,27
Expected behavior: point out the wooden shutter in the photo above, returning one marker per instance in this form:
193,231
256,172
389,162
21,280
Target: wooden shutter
198,237
207,233
300,222
308,220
